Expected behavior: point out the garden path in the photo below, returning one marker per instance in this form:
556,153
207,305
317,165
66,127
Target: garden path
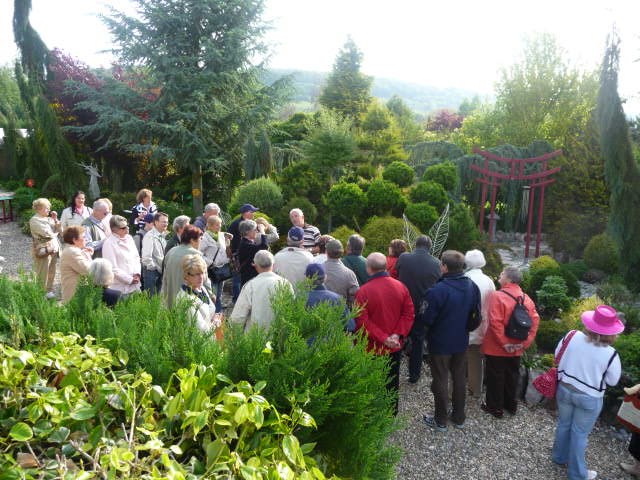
509,449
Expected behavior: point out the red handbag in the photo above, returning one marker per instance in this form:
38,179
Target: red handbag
547,383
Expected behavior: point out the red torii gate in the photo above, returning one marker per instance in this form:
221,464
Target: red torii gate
536,181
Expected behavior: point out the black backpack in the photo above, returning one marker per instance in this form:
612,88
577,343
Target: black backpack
519,322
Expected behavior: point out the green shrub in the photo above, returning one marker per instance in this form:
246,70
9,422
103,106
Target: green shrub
552,296
379,231
534,282
343,233
430,192
282,217
346,202
263,193
462,229
445,173
422,215
385,198
544,261
578,268
399,173
344,384
601,253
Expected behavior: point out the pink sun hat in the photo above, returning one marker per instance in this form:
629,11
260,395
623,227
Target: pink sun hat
603,320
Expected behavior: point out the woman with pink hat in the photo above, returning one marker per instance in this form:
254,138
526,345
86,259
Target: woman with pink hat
589,364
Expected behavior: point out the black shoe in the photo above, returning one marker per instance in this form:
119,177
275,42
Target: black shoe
498,413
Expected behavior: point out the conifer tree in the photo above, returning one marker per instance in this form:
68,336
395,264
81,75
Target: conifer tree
622,173
348,91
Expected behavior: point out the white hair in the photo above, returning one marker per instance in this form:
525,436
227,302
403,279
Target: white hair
180,221
263,259
296,211
211,207
101,272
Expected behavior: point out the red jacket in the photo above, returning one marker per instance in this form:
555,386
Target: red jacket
386,309
499,310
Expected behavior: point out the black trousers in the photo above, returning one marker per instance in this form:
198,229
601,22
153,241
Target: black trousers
441,365
502,382
417,346
634,446
393,381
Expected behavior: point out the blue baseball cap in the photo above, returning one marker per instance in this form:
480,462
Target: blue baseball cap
296,234
247,207
315,270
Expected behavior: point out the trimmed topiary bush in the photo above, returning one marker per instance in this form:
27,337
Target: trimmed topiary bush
544,261
422,215
430,192
462,229
445,173
385,198
346,202
379,231
399,173
601,253
263,193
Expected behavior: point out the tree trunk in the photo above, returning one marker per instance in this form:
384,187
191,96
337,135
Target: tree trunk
196,190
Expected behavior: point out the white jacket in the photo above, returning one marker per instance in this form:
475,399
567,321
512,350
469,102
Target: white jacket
124,257
486,287
153,244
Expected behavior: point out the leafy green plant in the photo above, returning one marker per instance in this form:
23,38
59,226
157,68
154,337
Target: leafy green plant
422,215
263,193
552,296
399,173
445,173
384,197
430,192
346,202
379,231
601,253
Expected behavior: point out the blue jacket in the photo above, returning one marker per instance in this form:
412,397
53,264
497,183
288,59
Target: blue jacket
448,305
320,294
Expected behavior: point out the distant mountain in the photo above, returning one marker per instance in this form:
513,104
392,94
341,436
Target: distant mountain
420,98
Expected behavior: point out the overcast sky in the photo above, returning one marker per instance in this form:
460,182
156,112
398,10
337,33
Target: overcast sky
460,43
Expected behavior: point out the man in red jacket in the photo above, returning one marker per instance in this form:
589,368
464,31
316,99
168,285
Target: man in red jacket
503,353
386,316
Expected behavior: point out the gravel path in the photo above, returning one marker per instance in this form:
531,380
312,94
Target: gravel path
512,448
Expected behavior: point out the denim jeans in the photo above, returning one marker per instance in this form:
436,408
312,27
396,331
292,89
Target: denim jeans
152,281
577,413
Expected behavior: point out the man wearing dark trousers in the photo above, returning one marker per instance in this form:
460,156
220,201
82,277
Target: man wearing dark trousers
449,305
419,271
386,315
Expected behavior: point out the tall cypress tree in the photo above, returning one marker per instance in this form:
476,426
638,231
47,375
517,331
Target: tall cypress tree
348,91
622,173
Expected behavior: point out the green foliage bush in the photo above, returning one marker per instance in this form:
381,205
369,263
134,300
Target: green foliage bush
130,428
462,228
445,173
552,296
384,198
306,354
422,215
543,261
263,193
601,253
379,231
346,202
343,233
430,192
399,173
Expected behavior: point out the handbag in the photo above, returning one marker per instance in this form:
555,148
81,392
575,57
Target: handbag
629,412
547,382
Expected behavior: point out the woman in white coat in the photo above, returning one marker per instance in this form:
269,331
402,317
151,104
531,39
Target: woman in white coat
202,306
121,251
474,261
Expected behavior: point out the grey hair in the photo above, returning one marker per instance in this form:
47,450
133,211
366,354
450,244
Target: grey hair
355,244
334,248
513,274
424,241
377,262
246,226
180,221
210,207
263,259
101,272
100,205
296,210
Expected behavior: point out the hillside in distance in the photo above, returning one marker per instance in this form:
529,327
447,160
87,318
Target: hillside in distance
421,99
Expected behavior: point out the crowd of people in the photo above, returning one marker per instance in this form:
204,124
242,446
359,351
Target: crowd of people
474,333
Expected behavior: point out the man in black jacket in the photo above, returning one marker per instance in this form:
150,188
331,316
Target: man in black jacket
419,271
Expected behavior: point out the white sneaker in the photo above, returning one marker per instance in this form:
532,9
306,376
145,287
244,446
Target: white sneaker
591,474
50,295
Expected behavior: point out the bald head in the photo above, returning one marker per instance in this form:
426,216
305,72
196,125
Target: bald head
376,263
